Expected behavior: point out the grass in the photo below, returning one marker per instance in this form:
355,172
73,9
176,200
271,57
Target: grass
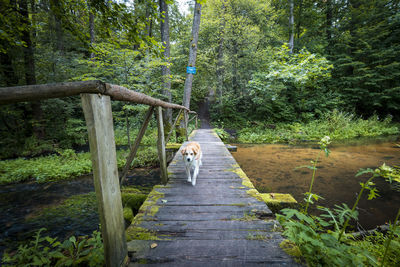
337,125
66,165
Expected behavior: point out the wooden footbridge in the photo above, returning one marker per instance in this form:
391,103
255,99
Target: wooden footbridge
218,222
222,221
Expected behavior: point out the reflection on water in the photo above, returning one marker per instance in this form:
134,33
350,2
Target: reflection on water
273,168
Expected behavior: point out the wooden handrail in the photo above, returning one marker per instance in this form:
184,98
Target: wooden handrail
98,116
9,95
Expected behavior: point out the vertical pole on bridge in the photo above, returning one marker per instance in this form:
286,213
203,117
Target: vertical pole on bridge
161,146
99,121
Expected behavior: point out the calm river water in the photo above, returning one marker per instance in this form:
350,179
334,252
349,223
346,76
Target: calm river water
273,168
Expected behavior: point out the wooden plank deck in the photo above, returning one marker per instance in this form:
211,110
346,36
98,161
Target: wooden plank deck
219,222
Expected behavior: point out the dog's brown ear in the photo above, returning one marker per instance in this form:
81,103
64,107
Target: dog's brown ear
183,151
196,151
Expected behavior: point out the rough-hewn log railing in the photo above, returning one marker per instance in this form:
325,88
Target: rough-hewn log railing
96,104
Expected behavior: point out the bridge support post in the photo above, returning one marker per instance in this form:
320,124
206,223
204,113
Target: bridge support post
98,116
161,146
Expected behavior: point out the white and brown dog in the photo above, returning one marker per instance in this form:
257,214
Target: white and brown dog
192,157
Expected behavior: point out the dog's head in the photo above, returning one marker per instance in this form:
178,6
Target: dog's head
190,152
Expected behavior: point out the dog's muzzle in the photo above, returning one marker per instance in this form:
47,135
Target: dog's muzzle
188,160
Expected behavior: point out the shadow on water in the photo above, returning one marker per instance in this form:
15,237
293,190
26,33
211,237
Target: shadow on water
272,168
23,207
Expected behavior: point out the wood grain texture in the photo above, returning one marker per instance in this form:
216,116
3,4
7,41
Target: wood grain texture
215,223
98,116
161,146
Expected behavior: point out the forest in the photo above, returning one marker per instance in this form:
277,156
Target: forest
261,63
270,71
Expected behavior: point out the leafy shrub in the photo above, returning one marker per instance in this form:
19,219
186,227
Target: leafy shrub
222,134
47,251
336,124
66,165
375,244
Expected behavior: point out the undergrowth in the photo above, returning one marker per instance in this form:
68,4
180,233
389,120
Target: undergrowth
48,251
66,165
322,240
338,125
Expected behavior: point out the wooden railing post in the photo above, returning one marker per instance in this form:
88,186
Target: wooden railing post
135,146
98,115
161,146
173,127
186,117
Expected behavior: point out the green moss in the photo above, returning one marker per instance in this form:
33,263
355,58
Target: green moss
147,211
275,201
192,134
245,180
292,249
174,146
132,200
259,237
247,218
128,214
140,233
71,207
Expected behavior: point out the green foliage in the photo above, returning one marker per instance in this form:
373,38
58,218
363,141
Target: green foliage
337,125
318,246
374,244
67,165
47,251
292,87
319,238
222,134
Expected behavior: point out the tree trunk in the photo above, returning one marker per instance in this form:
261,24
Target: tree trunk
91,31
220,63
149,26
30,73
298,26
329,25
291,27
192,54
235,84
56,16
166,72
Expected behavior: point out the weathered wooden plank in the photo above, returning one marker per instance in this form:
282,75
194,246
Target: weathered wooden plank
135,146
98,115
161,146
240,252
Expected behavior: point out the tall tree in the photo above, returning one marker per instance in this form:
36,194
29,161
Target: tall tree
166,72
220,63
192,53
30,72
291,26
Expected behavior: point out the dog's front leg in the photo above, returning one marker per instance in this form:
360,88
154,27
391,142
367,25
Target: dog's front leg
188,173
195,173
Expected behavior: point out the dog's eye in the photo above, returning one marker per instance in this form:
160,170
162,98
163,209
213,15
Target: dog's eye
191,154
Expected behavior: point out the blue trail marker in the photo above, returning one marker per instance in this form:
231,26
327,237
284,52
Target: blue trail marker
191,70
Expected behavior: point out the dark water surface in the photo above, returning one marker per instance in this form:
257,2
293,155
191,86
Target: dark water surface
273,168
19,203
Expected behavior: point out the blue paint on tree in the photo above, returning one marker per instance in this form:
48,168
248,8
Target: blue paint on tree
191,70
